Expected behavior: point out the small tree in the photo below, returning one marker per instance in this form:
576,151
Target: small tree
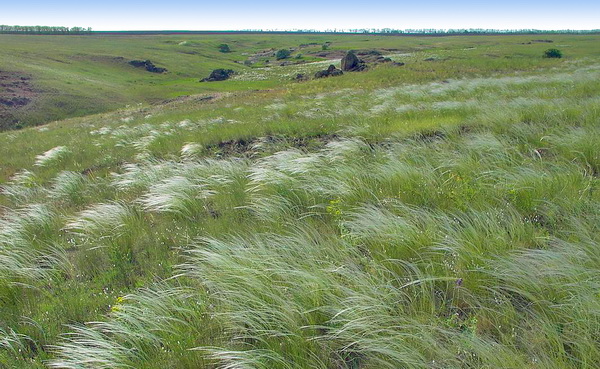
552,53
283,54
224,48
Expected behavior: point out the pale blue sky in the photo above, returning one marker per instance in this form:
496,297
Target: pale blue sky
309,14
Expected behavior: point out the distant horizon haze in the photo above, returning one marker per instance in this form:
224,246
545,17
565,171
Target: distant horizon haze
235,15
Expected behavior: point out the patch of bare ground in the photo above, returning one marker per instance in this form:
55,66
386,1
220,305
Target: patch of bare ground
16,92
252,146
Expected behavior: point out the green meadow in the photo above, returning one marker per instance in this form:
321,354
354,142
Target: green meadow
81,75
440,214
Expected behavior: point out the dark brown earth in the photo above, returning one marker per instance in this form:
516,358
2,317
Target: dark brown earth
16,92
247,147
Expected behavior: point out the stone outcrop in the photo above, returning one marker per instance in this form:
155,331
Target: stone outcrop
218,75
351,63
332,71
148,65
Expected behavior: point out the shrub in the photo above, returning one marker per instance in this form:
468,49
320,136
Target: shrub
283,54
224,48
552,53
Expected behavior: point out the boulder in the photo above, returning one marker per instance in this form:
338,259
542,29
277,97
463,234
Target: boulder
218,75
150,67
300,77
138,63
351,63
332,71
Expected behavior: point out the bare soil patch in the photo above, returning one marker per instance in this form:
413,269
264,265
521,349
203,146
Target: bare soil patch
16,92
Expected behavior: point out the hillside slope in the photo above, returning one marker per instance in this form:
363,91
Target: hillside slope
442,215
45,78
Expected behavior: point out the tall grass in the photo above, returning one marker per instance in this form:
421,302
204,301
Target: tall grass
53,155
28,250
139,327
22,187
439,225
445,254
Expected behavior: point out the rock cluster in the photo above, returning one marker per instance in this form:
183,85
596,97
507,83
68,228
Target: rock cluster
301,77
150,67
218,75
351,63
332,71
14,101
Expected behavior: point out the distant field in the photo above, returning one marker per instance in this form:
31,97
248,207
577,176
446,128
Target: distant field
70,76
440,214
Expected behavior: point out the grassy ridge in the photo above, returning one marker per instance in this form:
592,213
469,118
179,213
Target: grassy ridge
442,215
80,75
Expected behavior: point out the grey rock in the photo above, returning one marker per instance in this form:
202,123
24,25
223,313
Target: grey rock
218,75
351,63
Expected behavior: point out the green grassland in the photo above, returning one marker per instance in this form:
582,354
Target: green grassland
440,214
81,75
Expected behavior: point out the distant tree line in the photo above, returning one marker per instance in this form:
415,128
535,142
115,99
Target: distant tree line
45,30
432,31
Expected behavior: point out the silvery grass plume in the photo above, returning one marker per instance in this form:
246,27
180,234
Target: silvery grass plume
30,220
24,255
190,150
55,154
293,180
271,289
268,170
389,317
177,195
67,185
579,144
346,148
127,135
139,326
86,347
102,220
471,235
254,358
556,286
214,173
321,297
324,172
485,149
21,187
545,191
275,207
398,231
369,333
276,187
11,341
142,175
142,144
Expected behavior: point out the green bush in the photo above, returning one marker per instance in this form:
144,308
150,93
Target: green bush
224,48
283,54
552,53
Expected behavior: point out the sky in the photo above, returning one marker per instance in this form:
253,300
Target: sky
309,14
